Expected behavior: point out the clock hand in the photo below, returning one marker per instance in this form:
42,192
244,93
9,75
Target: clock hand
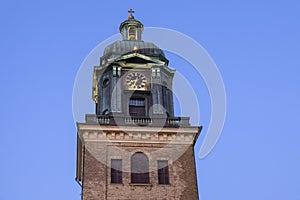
136,80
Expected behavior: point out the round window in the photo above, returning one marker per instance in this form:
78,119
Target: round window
105,82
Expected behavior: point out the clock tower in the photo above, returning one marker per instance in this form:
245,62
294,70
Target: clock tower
133,147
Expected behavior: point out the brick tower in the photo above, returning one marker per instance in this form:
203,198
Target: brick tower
133,147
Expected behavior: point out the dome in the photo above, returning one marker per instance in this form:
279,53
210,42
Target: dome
131,31
124,47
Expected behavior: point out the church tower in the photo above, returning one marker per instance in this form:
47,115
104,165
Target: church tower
133,147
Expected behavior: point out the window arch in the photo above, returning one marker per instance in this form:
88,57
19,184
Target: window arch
139,168
132,33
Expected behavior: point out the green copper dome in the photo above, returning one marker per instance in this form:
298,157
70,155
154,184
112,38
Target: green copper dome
131,31
124,47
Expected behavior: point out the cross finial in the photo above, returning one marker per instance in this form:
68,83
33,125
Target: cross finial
131,11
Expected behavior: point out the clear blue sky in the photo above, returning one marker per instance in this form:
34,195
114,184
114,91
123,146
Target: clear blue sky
255,45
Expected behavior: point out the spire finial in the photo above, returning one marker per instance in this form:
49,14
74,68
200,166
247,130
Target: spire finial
131,16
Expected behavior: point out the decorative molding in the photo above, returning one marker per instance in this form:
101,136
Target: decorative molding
125,134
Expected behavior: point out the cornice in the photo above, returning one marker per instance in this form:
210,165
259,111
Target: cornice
135,134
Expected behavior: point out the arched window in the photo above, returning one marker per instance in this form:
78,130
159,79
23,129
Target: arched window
132,33
139,168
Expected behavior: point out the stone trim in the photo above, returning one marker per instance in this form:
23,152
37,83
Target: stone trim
97,127
136,137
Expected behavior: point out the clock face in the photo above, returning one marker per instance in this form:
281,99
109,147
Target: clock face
136,80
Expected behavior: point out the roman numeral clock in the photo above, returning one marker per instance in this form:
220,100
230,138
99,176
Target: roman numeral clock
136,81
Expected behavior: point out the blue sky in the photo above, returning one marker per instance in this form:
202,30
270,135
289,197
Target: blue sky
255,45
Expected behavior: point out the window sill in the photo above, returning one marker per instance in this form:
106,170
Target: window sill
117,184
141,184
160,184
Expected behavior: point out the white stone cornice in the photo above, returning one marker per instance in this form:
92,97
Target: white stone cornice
148,129
135,134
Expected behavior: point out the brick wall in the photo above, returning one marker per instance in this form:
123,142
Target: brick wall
96,176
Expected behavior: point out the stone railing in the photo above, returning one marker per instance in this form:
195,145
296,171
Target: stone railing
142,121
103,119
138,121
